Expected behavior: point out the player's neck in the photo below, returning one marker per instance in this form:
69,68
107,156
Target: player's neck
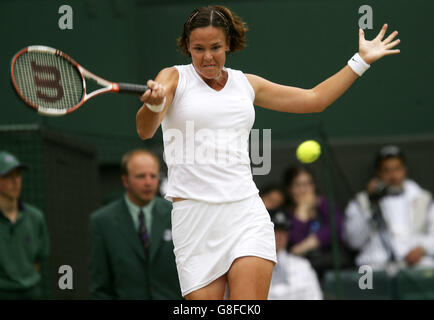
218,82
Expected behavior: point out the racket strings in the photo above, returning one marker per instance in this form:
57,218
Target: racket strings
48,81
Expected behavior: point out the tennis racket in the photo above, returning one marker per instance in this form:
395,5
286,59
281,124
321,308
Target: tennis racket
52,83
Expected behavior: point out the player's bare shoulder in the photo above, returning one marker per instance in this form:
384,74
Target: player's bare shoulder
255,81
169,78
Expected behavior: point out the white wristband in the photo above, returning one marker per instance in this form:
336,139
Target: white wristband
156,108
358,65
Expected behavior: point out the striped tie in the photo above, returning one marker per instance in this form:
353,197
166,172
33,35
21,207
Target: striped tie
143,233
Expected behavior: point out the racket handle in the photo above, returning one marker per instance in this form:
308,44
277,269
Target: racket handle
132,88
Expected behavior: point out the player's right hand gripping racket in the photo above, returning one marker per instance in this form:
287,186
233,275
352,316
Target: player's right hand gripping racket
54,84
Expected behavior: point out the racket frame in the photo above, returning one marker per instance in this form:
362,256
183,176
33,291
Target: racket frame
108,86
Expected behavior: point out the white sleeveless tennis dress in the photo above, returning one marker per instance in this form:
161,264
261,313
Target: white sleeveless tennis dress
205,135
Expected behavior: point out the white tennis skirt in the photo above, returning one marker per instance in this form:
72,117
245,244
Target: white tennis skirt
208,237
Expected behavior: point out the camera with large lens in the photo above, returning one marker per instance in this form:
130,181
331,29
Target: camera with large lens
381,190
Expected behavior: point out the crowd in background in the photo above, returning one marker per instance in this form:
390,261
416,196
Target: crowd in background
391,221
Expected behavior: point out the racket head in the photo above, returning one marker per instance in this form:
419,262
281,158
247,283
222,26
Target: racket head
48,80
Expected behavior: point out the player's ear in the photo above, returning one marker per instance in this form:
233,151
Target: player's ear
228,44
187,43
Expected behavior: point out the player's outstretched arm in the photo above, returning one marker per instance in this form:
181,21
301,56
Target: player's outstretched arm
296,100
163,91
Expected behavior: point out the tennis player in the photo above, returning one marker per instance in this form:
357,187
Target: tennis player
221,231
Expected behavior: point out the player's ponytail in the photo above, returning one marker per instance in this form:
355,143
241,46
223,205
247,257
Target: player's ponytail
237,29
219,17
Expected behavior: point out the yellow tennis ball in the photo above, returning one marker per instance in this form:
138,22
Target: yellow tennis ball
308,151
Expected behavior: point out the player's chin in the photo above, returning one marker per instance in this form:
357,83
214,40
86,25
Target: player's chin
210,72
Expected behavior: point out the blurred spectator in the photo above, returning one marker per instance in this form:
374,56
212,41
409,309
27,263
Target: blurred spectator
131,241
293,277
272,196
24,245
310,234
393,219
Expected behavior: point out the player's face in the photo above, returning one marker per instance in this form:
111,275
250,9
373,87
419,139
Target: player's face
208,47
392,172
301,185
141,183
10,185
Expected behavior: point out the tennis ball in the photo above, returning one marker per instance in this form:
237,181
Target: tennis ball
308,151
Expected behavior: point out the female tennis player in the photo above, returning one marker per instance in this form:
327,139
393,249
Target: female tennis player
221,230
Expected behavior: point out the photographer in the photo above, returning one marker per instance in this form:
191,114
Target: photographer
393,220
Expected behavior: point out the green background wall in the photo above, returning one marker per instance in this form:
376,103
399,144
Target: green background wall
297,43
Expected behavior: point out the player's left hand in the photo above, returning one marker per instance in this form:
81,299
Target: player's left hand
371,51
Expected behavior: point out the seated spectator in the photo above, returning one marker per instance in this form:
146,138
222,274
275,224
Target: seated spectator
293,277
393,219
310,234
272,196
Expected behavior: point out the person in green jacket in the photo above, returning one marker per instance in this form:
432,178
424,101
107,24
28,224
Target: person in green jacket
131,240
24,243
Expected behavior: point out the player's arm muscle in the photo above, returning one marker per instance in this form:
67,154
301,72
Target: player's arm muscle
297,100
147,121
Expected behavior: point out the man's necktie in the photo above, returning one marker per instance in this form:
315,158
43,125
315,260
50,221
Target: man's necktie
143,233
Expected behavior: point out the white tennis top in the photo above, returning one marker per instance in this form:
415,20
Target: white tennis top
205,135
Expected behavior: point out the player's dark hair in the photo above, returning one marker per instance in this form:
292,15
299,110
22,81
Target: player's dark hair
127,157
217,16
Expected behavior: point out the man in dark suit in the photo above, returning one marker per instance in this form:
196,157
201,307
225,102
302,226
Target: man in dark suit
131,242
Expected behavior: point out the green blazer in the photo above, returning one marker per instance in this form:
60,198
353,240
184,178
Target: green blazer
119,268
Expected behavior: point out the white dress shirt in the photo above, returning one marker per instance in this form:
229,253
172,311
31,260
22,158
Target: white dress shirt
409,218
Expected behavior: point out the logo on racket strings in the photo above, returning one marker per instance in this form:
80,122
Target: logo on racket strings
51,82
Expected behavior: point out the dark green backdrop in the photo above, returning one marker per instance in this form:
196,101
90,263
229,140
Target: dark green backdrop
298,43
